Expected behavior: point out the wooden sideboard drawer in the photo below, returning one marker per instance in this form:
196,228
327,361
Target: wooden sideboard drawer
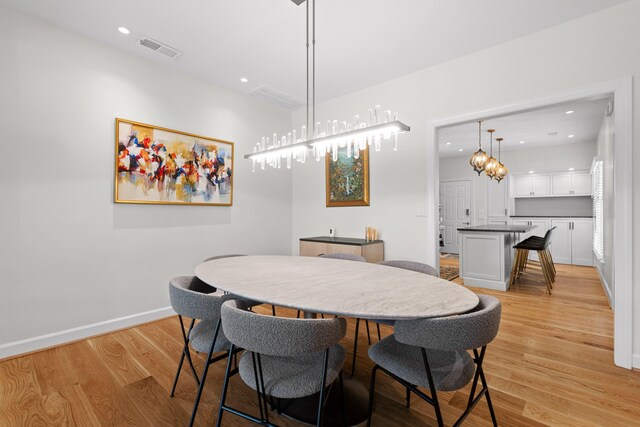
314,246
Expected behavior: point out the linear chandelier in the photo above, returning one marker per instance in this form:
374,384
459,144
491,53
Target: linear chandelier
317,141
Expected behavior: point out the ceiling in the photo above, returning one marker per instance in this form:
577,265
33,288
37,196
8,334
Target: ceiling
359,42
540,128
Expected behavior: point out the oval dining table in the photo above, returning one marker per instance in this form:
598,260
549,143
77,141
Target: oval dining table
319,285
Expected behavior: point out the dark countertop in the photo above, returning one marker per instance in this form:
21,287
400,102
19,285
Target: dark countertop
497,228
340,240
551,216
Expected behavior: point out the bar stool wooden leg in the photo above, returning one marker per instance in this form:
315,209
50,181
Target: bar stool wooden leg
544,265
552,263
514,268
549,265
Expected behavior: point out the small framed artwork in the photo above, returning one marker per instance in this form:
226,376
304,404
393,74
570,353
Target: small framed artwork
155,165
347,179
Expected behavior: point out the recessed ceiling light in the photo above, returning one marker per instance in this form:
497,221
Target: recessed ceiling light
571,136
124,30
521,142
244,79
448,143
460,149
531,171
572,169
569,112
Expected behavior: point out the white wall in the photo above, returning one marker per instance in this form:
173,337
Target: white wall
557,158
605,153
589,50
71,257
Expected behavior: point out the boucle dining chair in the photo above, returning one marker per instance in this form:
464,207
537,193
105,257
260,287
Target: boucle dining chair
213,258
433,353
285,358
188,300
405,265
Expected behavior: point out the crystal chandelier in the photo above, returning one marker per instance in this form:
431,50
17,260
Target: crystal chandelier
501,171
318,141
479,158
492,164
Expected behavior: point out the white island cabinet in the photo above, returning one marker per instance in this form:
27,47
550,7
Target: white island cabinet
486,254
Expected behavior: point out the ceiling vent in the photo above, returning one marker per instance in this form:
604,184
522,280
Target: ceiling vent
274,96
159,47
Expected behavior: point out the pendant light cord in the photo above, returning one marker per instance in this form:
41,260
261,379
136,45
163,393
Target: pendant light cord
307,66
313,64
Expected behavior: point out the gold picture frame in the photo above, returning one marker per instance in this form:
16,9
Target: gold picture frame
347,179
170,167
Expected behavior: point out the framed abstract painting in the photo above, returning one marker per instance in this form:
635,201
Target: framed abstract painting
347,179
156,165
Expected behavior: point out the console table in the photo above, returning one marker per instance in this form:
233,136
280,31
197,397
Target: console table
372,251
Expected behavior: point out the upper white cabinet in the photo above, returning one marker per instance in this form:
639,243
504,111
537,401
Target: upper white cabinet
571,184
552,184
532,185
581,184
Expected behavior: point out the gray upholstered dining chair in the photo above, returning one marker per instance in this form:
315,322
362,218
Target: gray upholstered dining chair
405,265
285,358
433,353
190,298
251,303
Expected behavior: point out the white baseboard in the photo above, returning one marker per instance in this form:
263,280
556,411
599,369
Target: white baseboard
58,338
636,361
605,286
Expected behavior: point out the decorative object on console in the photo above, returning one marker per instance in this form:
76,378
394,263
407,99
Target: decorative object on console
479,158
155,165
354,137
347,179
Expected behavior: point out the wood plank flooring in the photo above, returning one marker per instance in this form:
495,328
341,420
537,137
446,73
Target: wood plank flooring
551,365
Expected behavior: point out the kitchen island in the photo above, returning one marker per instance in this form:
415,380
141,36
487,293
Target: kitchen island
486,254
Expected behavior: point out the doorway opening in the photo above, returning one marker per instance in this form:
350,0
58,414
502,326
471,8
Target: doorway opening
551,184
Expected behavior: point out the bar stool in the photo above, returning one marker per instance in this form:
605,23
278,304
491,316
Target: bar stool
541,246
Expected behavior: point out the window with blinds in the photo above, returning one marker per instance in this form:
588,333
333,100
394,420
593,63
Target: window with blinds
597,174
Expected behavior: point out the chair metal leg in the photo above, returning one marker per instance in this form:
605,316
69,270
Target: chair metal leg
355,348
342,400
255,377
185,353
378,327
325,366
371,392
366,322
204,375
273,309
262,387
408,398
225,386
432,388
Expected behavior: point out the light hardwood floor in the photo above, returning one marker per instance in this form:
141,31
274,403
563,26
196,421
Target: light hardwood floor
551,364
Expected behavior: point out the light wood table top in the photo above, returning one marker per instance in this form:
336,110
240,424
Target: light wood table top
333,286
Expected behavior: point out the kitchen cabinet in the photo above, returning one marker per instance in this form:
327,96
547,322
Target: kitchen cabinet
498,202
532,185
571,184
582,242
572,241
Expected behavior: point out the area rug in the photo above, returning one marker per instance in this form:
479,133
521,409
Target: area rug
449,273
